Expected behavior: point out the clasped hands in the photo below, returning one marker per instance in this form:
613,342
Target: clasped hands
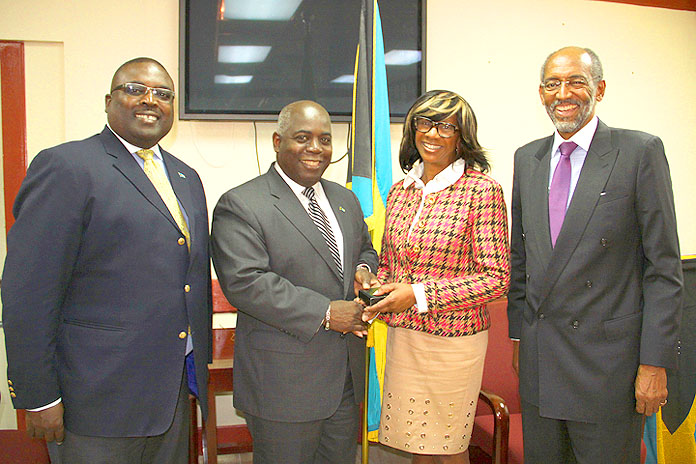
399,297
354,317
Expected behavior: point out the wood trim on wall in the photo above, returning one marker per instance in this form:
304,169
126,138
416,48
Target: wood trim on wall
14,134
14,122
688,5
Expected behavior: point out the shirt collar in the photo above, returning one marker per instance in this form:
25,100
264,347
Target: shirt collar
583,137
294,186
132,149
442,180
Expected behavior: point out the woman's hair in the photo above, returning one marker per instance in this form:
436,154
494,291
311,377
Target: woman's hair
439,105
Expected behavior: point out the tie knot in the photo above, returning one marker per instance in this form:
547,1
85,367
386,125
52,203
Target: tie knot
145,154
309,193
566,148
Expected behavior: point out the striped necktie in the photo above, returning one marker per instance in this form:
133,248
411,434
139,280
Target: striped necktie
322,224
159,179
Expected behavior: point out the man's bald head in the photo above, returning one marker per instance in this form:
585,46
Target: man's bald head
303,141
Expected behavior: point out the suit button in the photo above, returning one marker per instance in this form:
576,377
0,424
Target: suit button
604,242
527,276
542,315
416,249
576,324
9,382
182,334
421,223
11,389
13,394
588,284
524,236
181,241
431,200
187,288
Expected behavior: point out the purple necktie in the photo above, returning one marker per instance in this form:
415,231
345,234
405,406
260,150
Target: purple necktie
559,190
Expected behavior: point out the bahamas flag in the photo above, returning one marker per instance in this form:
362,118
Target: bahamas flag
670,438
369,175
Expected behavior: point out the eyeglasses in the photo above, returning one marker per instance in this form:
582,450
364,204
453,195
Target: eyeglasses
553,85
138,90
444,129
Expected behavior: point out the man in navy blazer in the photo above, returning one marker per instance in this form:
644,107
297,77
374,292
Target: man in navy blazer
597,314
298,369
103,293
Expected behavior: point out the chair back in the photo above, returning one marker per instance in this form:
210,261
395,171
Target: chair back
498,375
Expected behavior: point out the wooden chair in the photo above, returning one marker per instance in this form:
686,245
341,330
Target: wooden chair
498,424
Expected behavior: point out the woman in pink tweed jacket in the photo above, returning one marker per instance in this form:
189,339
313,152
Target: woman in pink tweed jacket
444,256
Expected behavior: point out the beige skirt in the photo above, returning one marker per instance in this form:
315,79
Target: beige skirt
431,387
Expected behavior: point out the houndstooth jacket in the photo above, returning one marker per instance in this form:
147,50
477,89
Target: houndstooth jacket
458,250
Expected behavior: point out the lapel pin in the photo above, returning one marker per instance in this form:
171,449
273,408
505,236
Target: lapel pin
341,209
181,175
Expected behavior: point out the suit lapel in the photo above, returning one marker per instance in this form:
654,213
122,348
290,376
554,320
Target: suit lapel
593,178
124,162
289,206
539,196
182,189
346,231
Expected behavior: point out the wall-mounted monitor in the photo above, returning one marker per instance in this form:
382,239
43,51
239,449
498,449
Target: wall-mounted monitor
246,59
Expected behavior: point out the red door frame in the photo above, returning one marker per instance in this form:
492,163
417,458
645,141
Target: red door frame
14,133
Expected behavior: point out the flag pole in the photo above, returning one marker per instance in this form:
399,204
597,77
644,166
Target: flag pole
365,442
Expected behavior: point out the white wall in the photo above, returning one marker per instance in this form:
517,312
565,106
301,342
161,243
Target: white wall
489,52
496,51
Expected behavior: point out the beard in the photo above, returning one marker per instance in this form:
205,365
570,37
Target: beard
575,124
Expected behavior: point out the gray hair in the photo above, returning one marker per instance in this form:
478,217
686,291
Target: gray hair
284,118
595,64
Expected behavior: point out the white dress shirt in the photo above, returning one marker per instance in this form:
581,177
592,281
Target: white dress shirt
324,204
583,138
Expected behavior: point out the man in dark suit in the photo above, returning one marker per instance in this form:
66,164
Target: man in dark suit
595,296
106,286
298,369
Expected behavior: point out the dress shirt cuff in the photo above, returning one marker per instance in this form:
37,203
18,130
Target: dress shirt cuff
421,300
50,405
514,339
325,322
363,266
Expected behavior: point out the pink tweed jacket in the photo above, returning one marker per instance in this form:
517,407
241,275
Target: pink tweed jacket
458,249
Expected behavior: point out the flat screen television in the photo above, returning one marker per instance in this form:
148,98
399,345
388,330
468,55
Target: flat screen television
246,59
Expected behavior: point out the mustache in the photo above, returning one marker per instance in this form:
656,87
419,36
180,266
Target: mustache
573,101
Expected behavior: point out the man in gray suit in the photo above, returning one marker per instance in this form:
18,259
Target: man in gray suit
298,369
595,296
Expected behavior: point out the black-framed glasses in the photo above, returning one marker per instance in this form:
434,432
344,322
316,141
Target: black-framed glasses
554,85
138,90
423,124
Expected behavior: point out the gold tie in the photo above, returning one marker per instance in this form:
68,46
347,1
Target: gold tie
159,179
